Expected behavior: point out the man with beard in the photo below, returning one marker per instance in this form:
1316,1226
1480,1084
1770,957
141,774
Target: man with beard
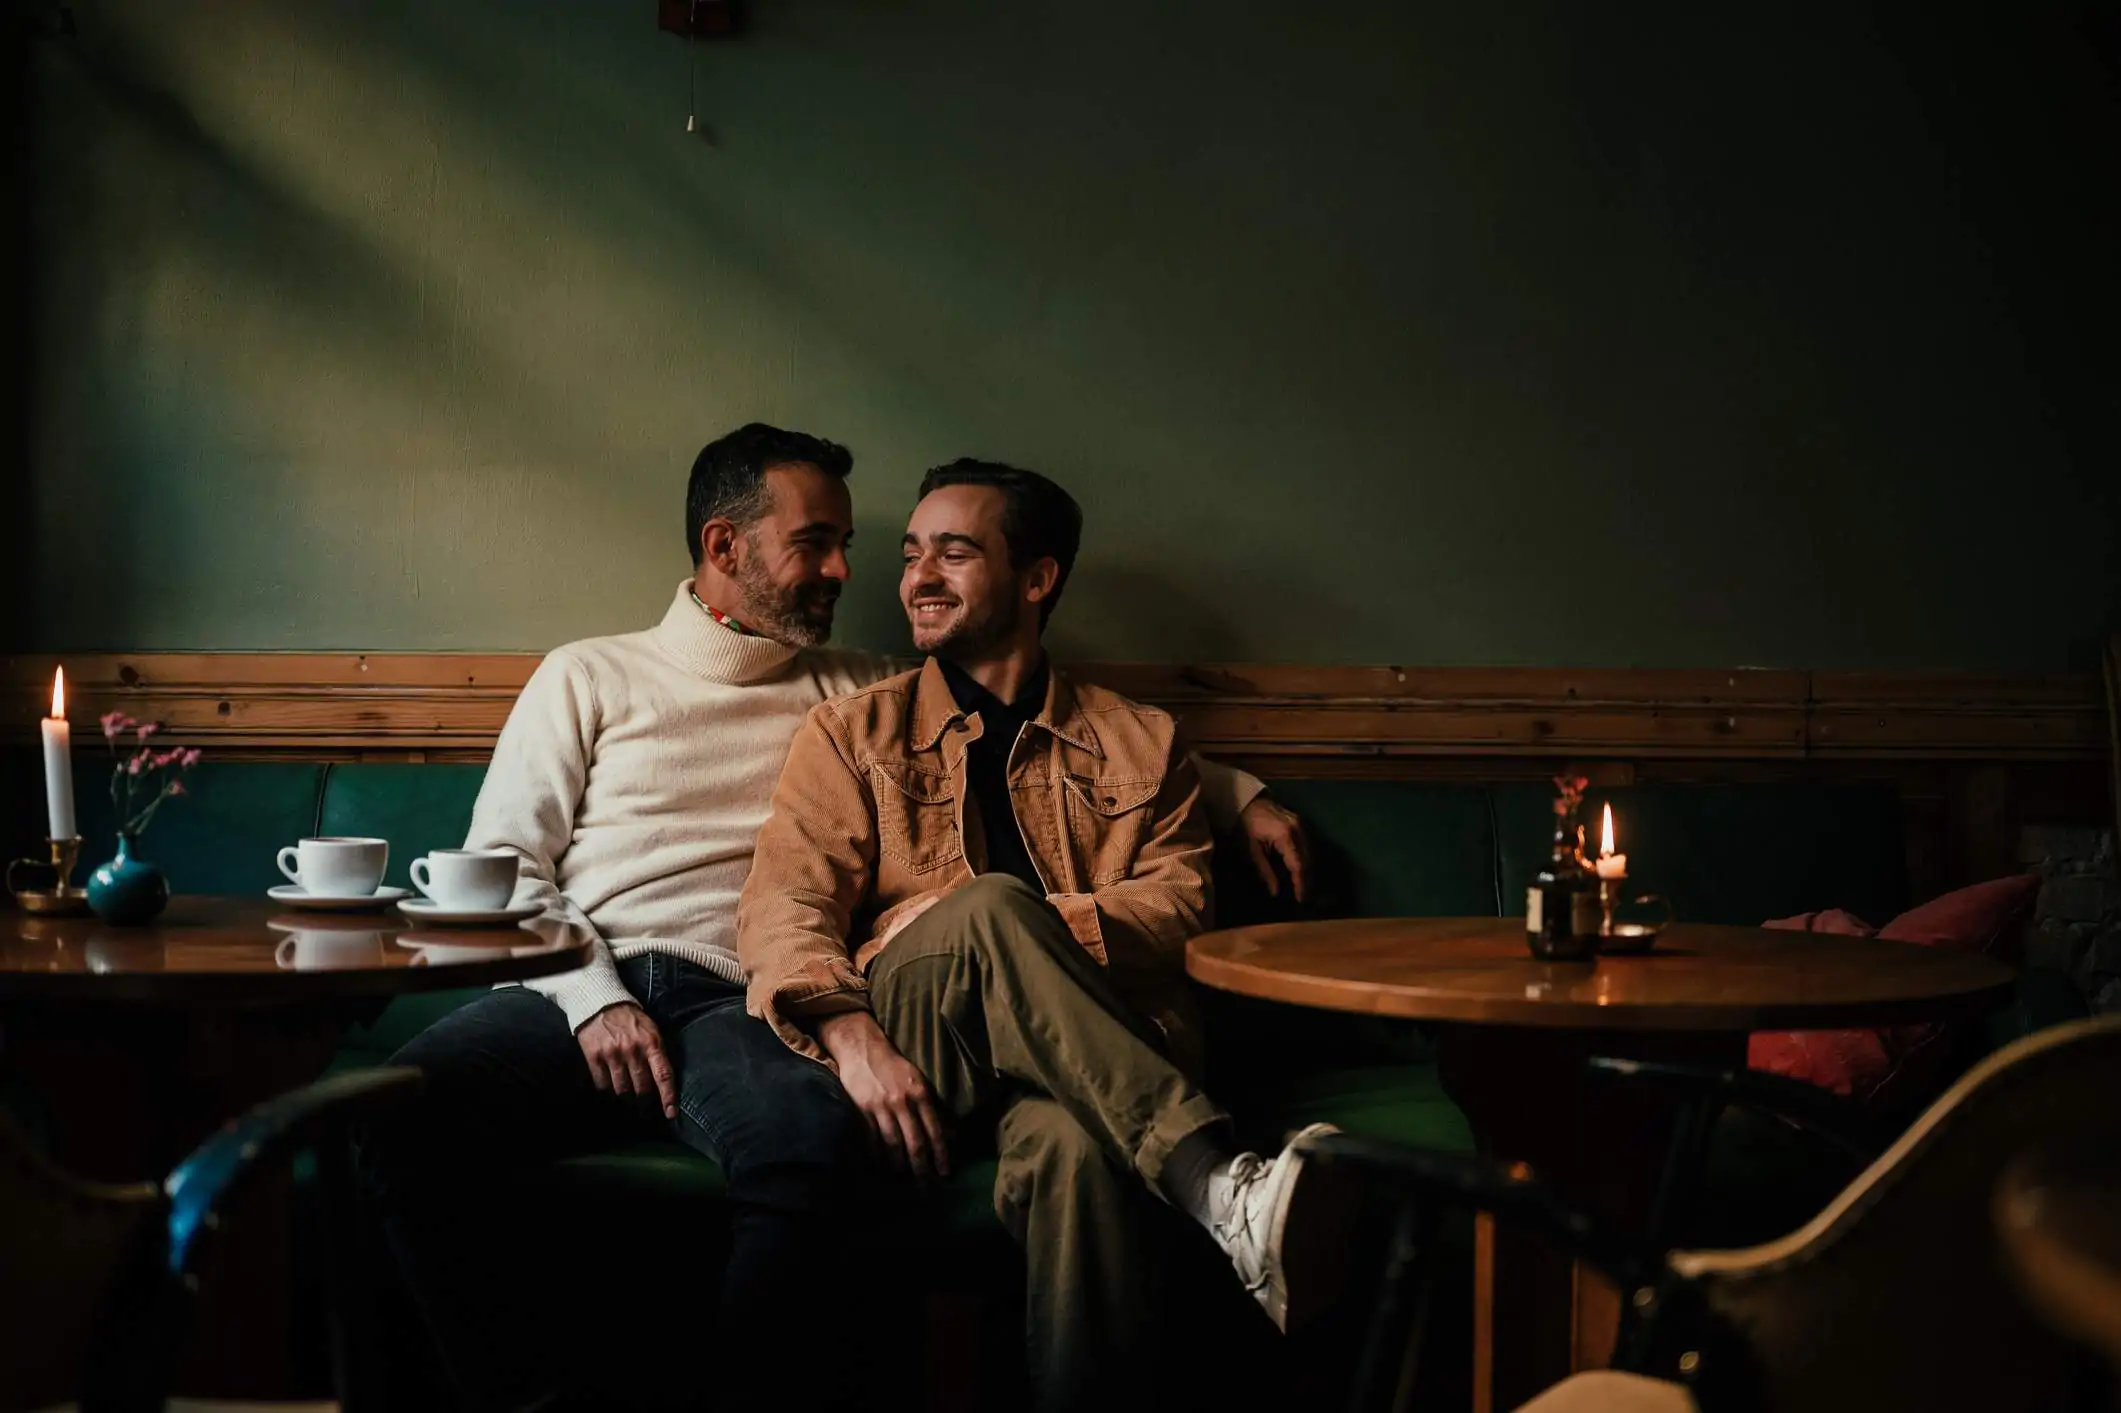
631,781
972,899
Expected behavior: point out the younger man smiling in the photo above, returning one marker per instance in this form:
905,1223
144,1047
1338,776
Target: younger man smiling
972,899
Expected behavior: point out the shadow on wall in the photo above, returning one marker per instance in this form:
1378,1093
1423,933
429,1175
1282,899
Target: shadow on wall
1111,612
1143,613
176,453
437,301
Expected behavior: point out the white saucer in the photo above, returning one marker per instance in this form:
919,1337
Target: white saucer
435,915
298,897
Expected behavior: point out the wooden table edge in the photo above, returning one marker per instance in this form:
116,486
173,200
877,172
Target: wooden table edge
287,987
1369,999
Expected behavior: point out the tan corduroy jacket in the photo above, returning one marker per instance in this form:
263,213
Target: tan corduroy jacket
869,820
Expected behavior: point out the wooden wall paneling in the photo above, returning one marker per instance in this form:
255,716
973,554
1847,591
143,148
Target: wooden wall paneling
1953,714
1264,710
1286,719
1973,758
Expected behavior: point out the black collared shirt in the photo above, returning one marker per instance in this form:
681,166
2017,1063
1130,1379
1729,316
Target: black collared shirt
987,764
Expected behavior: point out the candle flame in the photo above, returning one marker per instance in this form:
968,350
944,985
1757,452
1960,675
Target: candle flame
1605,837
59,693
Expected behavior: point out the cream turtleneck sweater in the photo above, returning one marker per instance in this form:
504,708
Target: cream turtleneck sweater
635,772
632,778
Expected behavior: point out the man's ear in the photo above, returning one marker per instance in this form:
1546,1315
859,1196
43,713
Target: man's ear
1039,582
718,541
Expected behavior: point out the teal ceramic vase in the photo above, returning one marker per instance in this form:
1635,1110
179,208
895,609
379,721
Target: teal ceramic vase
127,891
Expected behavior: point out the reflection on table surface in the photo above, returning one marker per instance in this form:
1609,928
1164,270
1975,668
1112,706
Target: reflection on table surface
1697,976
257,949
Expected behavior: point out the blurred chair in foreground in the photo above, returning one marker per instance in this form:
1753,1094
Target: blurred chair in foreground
1893,1296
97,1280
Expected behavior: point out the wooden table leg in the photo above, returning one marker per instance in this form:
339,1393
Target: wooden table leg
1538,1316
129,1091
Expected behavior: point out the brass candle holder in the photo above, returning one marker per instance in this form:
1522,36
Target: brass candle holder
1625,938
61,899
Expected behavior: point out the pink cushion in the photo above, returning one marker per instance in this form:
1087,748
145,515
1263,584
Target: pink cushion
1885,1066
1986,918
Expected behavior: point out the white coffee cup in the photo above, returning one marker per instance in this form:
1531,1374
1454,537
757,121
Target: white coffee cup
471,879
336,867
322,950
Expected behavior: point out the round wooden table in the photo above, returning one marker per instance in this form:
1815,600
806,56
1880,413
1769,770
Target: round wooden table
138,1042
1516,1035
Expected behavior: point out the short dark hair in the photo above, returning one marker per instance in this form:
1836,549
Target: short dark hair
1039,519
729,474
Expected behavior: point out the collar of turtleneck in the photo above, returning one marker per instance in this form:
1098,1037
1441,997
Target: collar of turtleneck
707,649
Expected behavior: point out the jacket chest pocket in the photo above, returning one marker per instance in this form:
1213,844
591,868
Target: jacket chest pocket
1109,821
916,817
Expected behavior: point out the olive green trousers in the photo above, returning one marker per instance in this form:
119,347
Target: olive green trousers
1013,1024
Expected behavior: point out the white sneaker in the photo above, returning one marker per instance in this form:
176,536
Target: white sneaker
1284,1225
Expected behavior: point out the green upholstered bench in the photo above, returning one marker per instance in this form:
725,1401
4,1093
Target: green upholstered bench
1722,853
1382,848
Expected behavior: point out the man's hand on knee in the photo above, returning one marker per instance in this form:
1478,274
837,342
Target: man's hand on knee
625,1054
890,1091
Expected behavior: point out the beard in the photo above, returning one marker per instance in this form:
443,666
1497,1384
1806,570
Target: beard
972,633
799,615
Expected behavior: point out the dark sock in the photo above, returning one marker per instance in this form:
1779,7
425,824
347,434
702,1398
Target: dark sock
1194,1160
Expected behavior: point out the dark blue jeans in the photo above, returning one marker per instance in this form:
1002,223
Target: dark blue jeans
508,1089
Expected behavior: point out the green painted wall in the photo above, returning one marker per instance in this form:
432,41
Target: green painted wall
1601,335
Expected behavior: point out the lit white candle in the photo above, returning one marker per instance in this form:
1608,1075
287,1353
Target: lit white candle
1609,864
59,762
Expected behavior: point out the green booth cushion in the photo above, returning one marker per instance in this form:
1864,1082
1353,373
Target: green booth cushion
1385,848
1397,1103
374,1042
959,1212
1392,1103
221,836
418,808
1379,848
1736,854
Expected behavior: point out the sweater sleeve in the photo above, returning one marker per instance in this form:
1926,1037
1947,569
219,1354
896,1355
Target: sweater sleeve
527,806
1225,791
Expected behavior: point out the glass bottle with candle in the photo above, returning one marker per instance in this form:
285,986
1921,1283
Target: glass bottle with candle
1562,914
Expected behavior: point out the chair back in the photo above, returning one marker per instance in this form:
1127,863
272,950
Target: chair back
1894,1296
63,1243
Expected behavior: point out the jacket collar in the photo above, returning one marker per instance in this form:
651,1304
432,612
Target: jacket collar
935,710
